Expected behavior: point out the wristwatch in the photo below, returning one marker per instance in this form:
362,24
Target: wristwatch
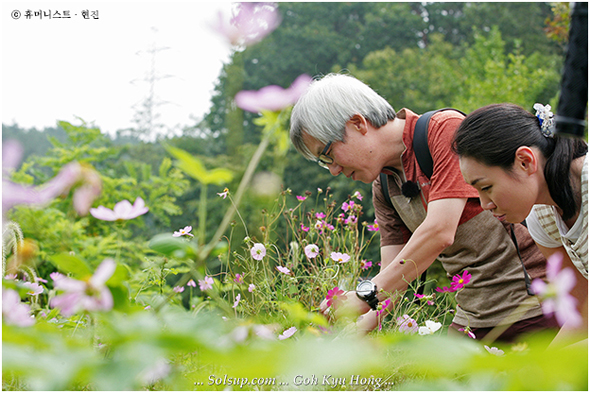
367,291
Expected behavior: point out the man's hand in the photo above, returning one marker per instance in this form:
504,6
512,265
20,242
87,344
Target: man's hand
347,305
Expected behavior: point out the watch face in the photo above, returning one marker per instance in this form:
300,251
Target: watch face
365,288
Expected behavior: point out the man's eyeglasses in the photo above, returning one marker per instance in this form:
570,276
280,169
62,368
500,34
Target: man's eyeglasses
324,159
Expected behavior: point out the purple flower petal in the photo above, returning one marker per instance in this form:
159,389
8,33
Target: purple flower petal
272,98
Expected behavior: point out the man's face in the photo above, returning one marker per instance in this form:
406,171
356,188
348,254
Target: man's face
354,157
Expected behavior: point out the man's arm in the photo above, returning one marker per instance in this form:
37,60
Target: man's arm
436,233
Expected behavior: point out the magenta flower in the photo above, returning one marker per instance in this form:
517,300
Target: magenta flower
239,279
459,281
406,324
258,251
251,23
191,283
467,331
346,206
320,215
366,264
311,251
382,310
71,174
183,232
301,198
89,295
122,211
283,270
555,294
272,98
15,312
288,333
446,289
357,195
178,289
340,257
206,283
426,298
304,228
335,297
374,227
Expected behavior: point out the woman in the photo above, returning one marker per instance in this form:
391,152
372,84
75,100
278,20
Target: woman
523,171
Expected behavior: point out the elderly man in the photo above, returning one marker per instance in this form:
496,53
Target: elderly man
346,127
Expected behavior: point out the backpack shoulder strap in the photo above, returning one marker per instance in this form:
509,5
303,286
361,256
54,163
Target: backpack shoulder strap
420,141
385,188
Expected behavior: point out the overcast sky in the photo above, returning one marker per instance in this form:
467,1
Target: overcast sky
60,69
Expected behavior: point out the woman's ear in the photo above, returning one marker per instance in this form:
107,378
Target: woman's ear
526,159
359,123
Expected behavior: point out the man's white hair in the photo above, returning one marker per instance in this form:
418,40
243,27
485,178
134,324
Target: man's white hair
323,110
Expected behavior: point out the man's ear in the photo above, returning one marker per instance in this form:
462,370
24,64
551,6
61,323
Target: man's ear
359,123
525,159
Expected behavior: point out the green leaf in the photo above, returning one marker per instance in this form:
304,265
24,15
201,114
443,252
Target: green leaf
171,246
193,167
71,264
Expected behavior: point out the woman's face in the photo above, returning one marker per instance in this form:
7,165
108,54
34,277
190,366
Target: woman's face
509,195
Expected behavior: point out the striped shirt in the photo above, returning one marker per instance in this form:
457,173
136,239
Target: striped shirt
548,229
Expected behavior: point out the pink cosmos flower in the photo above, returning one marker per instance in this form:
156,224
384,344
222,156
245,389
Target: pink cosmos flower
239,279
237,301
191,283
320,215
272,98
555,294
340,257
381,310
311,251
258,251
283,270
319,225
374,227
89,295
183,232
467,331
304,228
33,288
366,264
251,288
446,289
357,195
301,198
406,324
288,333
346,206
459,281
123,210
224,193
71,174
178,289
425,297
351,220
15,312
251,23
335,297
206,283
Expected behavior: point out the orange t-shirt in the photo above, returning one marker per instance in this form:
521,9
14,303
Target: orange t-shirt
446,181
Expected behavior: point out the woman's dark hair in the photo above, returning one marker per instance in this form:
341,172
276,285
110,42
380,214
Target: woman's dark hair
492,134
